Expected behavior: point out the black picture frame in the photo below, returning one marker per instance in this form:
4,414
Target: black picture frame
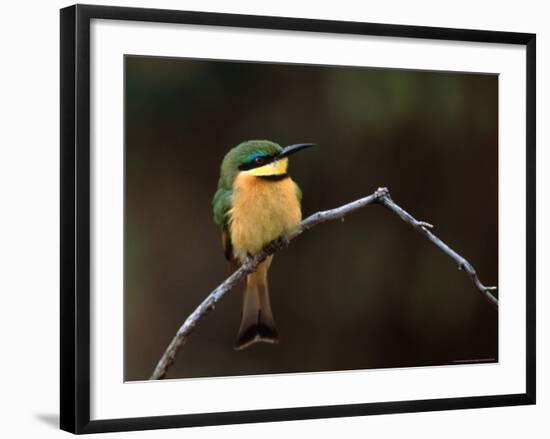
75,217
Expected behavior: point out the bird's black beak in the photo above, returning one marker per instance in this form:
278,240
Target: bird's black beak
291,149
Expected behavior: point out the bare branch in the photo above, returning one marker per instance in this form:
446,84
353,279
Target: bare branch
423,227
381,196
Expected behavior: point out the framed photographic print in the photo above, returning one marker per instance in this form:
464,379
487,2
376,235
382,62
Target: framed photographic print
285,218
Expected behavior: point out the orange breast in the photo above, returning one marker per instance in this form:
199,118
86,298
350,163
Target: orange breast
262,211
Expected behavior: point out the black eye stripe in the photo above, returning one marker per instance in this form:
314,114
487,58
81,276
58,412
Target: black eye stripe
253,164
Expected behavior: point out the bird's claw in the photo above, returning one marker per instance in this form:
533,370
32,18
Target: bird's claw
283,241
277,244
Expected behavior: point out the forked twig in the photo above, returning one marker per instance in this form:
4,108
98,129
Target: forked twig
380,196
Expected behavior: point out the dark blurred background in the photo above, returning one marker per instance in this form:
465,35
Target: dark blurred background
369,292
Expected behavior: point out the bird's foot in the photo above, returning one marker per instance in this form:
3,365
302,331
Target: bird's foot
283,241
277,244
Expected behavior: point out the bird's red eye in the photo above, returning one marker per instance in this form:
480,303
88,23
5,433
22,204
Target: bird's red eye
259,160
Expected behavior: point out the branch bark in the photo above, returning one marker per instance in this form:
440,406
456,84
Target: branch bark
380,196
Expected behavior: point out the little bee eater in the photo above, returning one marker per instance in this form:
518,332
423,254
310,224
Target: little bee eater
256,203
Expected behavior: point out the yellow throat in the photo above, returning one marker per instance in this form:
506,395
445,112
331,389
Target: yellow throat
262,209
277,167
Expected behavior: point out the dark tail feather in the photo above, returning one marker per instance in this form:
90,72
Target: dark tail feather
257,324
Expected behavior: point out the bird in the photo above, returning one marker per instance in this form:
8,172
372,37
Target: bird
256,202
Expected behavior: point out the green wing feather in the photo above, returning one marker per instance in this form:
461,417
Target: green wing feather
221,205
